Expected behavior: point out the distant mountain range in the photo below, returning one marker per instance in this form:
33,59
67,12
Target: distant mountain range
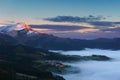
21,33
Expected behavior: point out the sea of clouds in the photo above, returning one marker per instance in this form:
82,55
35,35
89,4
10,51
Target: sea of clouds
95,70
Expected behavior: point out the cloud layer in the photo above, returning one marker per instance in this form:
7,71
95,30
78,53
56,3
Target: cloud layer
89,27
59,27
75,19
96,70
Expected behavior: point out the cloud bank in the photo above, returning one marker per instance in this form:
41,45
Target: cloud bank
75,19
90,27
117,29
59,27
96,70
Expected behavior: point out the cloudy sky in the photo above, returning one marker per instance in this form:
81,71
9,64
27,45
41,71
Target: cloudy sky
87,19
34,9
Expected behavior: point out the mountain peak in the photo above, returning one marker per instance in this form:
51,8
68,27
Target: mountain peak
17,29
21,26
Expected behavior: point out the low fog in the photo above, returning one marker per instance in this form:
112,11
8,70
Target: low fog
95,70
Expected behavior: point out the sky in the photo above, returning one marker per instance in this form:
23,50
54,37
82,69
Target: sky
65,12
24,10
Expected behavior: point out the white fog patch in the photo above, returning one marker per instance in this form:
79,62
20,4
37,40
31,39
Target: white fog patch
87,52
95,70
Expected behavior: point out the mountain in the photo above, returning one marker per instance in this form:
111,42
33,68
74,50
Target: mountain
25,35
16,29
7,39
18,62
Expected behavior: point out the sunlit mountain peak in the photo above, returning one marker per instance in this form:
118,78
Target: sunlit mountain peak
22,25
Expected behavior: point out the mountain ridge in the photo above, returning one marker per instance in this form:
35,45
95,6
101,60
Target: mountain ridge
50,42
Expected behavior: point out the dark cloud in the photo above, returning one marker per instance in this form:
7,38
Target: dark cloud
117,29
116,22
76,19
102,23
90,35
58,27
72,33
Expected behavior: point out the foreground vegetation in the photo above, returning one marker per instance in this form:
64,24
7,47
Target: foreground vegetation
18,62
